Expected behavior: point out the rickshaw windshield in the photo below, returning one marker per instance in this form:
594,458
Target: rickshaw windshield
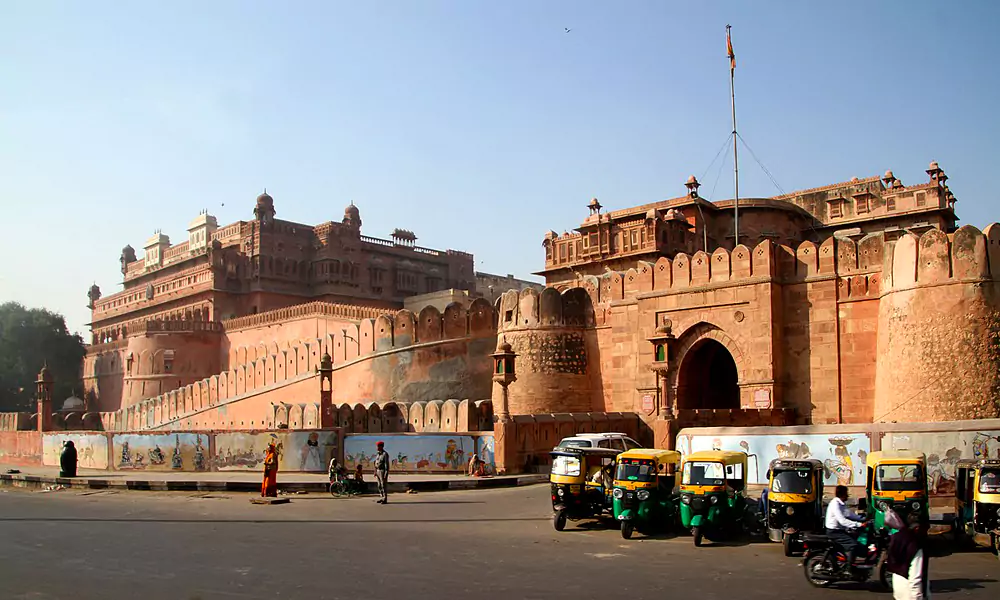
566,465
703,473
632,469
899,478
989,481
792,482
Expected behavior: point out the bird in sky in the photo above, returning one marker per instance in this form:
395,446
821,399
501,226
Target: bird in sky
567,29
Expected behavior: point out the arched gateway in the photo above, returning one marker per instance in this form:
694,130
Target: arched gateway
708,370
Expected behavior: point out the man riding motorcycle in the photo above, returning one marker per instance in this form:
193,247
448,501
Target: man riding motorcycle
842,523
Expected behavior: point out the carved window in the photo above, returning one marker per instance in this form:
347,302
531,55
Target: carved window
593,240
921,199
890,204
862,205
571,247
836,209
632,239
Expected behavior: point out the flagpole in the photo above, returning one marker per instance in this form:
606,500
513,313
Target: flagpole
736,163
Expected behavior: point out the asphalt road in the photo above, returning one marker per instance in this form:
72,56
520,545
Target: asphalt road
446,545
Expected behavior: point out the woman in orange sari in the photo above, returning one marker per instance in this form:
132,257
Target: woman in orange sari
270,486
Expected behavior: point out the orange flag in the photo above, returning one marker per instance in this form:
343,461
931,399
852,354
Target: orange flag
729,47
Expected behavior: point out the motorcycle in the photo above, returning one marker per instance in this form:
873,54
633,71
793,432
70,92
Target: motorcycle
826,562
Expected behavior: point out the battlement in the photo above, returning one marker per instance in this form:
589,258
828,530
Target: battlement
309,309
936,257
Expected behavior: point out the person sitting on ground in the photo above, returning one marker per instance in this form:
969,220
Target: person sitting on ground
359,480
842,524
476,466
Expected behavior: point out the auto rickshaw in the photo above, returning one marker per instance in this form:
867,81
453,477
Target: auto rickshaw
794,502
581,483
713,493
977,495
897,479
644,489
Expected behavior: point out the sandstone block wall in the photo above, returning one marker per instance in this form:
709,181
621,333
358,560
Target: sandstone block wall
939,328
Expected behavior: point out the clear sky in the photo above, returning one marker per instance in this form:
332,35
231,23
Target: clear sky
478,125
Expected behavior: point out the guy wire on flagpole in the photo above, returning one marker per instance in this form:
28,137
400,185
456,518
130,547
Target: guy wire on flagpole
736,164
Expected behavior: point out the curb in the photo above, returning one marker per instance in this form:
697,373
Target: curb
37,481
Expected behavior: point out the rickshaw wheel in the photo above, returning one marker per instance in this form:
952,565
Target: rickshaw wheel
696,532
559,520
788,544
627,529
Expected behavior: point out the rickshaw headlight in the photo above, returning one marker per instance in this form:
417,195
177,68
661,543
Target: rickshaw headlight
618,493
714,499
915,505
642,495
685,499
883,506
790,511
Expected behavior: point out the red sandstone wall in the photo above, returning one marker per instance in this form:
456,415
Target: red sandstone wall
939,328
20,448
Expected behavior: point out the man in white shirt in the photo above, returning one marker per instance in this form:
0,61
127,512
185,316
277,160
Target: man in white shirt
841,521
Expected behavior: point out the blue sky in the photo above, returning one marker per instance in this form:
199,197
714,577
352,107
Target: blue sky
477,125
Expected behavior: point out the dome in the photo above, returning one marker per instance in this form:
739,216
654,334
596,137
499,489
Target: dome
675,215
934,166
265,199
352,212
73,403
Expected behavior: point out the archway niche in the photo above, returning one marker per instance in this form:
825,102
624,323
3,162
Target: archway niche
708,378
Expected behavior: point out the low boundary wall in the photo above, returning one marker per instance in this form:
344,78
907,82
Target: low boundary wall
422,452
843,449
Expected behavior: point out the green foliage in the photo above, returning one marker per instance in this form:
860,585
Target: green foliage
30,338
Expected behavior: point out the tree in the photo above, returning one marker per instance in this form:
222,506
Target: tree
30,338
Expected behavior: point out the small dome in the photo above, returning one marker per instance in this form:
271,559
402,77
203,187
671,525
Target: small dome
675,215
692,181
73,403
888,175
505,347
128,249
934,165
594,202
265,199
352,212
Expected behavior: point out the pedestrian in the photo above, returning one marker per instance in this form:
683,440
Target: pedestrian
381,464
269,488
67,460
907,560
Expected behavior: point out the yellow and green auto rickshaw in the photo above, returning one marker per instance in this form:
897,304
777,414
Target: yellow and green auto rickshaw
644,489
713,493
581,483
794,501
897,480
977,495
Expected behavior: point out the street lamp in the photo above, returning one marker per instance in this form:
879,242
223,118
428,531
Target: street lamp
662,341
503,373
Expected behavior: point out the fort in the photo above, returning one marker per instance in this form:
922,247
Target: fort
853,303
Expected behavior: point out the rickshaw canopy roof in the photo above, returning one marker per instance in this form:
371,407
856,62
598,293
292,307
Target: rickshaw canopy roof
977,463
660,456
726,457
795,463
895,456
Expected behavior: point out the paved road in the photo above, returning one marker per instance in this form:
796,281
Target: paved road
487,544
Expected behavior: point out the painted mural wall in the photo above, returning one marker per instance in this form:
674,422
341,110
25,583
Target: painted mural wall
448,453
160,452
91,449
843,454
305,451
943,450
